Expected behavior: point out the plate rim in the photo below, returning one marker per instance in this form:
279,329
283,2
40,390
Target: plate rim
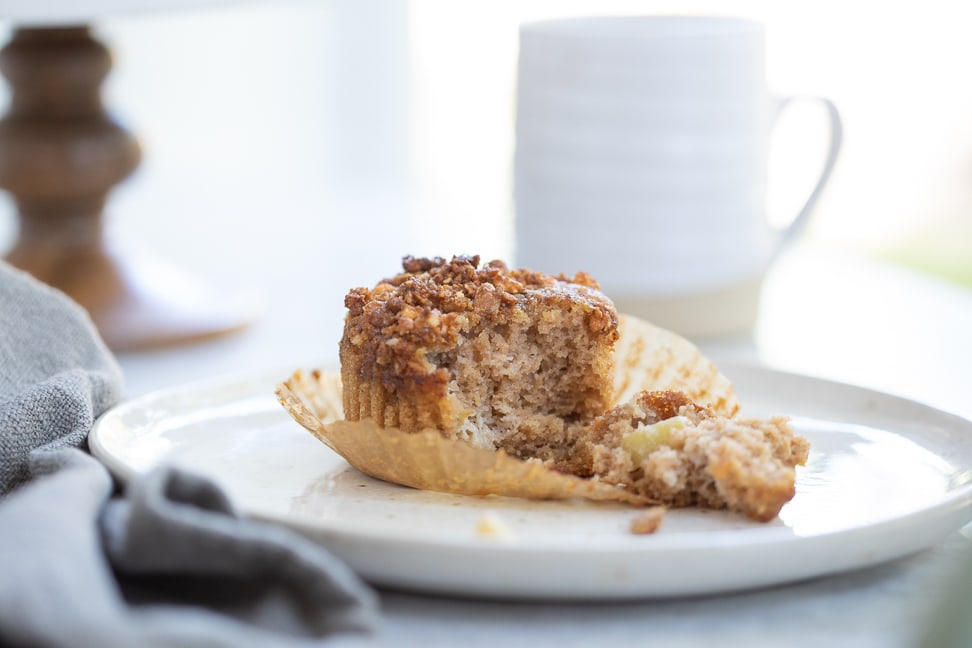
944,511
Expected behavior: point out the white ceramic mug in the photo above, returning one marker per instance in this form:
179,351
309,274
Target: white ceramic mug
641,157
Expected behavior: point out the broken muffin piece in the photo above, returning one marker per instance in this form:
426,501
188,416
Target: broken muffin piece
662,445
502,358
529,369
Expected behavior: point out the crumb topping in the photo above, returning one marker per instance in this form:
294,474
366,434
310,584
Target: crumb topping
404,321
649,521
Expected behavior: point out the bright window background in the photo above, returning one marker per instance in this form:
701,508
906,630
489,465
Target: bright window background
277,118
897,72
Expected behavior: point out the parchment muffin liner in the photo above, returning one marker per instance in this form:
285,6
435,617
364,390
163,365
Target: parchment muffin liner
646,358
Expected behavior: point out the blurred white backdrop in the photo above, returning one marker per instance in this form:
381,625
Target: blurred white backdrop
360,130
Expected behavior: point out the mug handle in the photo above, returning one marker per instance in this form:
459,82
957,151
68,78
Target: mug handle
790,232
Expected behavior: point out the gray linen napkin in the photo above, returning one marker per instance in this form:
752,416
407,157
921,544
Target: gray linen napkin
56,375
168,564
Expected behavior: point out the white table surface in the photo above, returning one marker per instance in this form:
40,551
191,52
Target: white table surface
823,313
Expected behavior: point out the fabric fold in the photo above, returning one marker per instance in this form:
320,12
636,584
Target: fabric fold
174,525
166,563
56,375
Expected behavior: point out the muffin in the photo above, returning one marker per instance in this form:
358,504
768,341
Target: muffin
482,380
501,358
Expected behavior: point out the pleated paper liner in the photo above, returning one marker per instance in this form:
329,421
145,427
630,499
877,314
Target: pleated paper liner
647,357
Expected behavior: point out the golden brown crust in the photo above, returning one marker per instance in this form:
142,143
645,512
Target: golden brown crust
401,337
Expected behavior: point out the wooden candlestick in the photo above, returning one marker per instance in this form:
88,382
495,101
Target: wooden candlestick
60,155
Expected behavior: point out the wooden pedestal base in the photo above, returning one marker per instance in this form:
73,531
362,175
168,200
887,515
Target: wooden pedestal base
60,155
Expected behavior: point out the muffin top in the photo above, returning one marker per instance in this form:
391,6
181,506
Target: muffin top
423,310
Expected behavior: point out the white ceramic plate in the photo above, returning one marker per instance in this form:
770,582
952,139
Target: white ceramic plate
886,477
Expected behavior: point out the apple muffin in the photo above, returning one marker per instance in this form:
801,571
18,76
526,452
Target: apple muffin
479,379
501,358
